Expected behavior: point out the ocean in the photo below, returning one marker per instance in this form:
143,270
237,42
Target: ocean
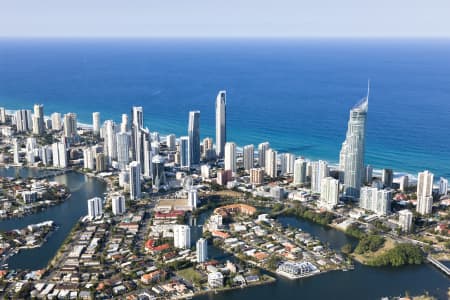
294,93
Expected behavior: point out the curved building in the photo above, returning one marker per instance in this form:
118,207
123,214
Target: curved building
352,152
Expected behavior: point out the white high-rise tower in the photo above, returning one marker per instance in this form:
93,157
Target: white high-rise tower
352,152
221,125
424,192
230,156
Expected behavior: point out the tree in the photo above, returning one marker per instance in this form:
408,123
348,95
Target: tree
347,249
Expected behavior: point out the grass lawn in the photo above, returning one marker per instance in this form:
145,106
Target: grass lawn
190,274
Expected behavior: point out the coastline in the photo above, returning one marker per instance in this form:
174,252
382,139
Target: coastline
332,163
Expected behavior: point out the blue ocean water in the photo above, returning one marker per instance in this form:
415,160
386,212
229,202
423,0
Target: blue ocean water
294,93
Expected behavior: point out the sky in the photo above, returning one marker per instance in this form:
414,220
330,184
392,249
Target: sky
225,18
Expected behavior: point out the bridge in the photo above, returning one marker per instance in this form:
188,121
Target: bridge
439,265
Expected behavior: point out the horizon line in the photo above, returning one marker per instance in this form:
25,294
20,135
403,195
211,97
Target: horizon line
173,37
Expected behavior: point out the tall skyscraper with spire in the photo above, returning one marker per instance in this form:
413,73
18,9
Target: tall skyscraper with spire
221,125
352,152
194,137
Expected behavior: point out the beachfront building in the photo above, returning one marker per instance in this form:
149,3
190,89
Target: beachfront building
443,186
262,148
300,171
287,162
194,137
352,153
96,122
70,125
248,157
424,192
271,167
221,123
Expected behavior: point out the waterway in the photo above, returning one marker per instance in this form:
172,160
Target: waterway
65,216
361,283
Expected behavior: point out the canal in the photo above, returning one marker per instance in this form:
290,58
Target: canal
65,216
361,283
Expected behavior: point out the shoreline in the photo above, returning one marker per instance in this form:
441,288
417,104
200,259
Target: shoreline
332,163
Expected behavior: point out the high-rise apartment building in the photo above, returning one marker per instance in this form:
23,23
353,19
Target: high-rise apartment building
221,125
194,137
353,148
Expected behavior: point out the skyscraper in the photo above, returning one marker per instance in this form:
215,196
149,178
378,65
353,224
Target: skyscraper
148,157
271,167
158,176
377,201
110,141
352,152
138,116
124,125
404,181
123,151
135,180
38,119
192,198
300,171
443,186
59,154
118,205
88,159
424,192
221,125
230,157
387,177
16,151
208,149
249,152
257,176
137,123
202,250
170,141
2,115
95,207
184,152
182,236
56,121
329,195
24,120
368,174
96,122
194,137
262,153
70,125
319,170
405,220
287,161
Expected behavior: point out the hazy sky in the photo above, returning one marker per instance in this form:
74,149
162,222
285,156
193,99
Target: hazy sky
225,18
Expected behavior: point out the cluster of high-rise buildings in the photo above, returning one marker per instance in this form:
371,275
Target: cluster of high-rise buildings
134,151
